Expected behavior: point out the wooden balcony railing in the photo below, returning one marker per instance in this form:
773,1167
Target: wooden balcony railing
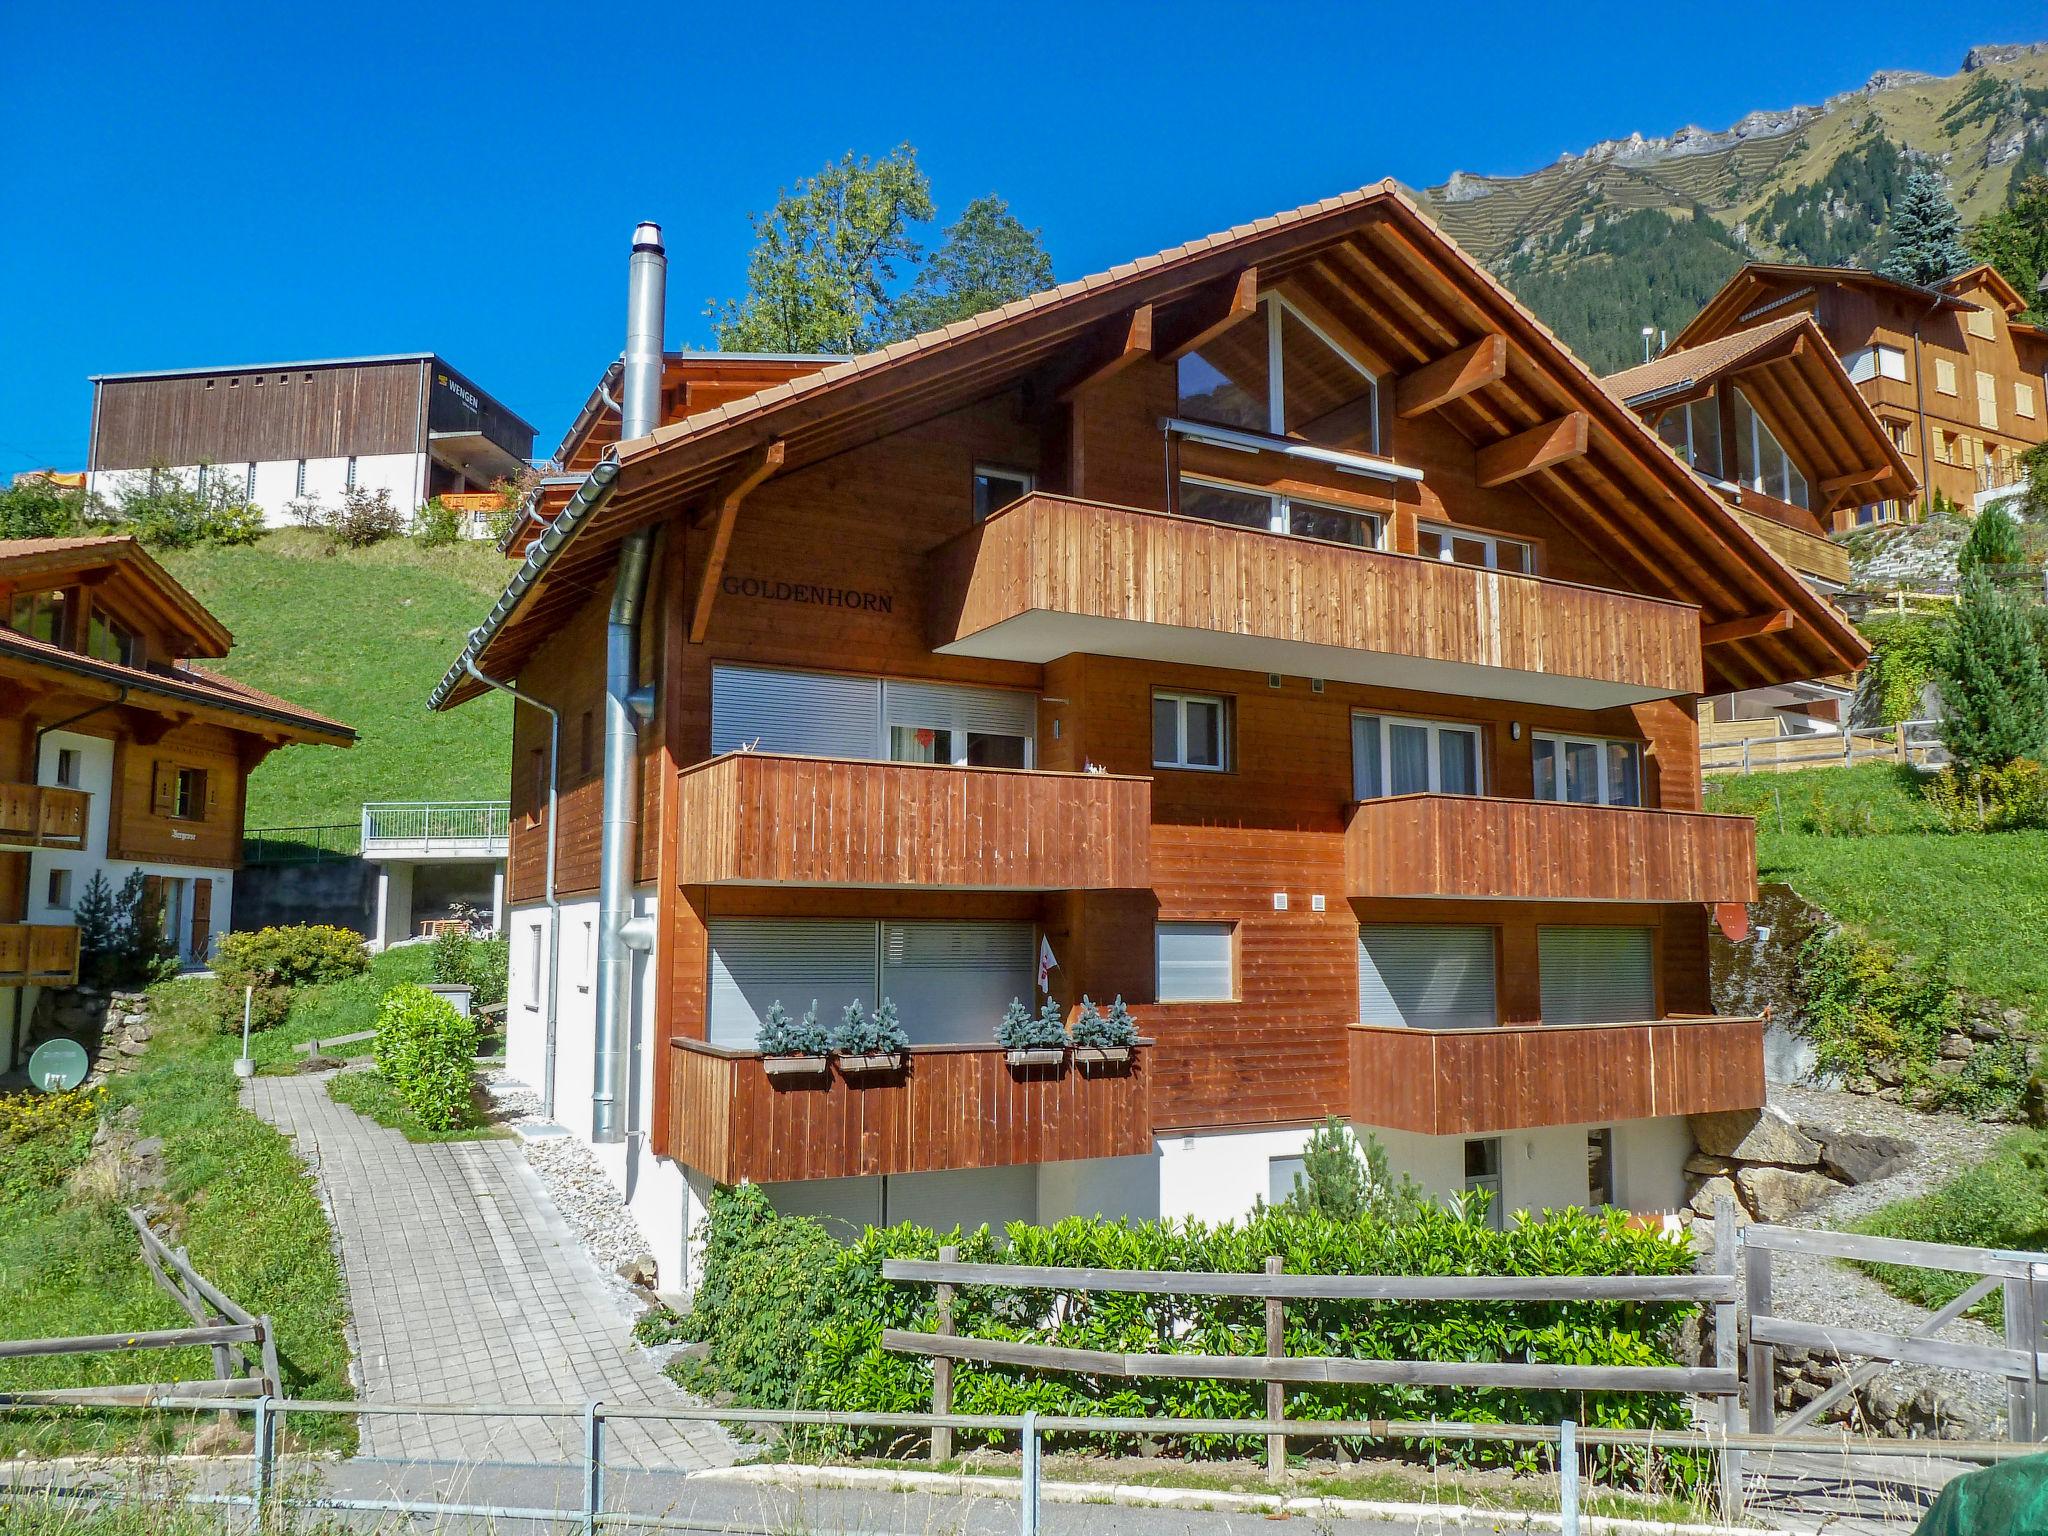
1539,850
1469,1082
757,818
950,1107
38,954
43,816
1049,576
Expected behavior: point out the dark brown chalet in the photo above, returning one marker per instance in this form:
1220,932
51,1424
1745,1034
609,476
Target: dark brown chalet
1282,633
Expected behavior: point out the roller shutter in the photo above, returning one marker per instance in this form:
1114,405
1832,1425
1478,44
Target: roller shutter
1597,975
814,713
947,706
759,961
1426,976
951,981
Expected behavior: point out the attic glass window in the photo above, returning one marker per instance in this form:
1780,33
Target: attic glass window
39,615
995,488
1278,372
110,641
1765,466
1694,431
1217,501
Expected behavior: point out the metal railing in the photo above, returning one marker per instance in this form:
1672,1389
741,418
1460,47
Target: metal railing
436,823
314,843
1915,743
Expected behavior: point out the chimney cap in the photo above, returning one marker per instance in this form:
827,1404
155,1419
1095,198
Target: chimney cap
647,236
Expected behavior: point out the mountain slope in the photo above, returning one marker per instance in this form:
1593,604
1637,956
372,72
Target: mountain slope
1638,231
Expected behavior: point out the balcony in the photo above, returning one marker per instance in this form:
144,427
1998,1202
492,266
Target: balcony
1465,846
952,1107
42,816
38,955
1473,1082
441,830
758,818
1050,576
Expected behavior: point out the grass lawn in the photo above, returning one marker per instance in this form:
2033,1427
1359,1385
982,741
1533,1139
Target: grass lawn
2000,1203
362,636
371,1093
1982,896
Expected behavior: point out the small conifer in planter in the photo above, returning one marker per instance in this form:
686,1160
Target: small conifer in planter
869,1042
1104,1039
792,1047
1039,1041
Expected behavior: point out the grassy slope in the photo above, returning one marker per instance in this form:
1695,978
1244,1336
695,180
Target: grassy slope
362,636
1984,897
2000,1203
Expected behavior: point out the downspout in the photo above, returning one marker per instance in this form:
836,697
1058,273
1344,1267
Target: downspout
554,902
1920,410
618,933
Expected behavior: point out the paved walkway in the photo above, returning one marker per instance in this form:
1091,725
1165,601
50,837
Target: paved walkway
466,1286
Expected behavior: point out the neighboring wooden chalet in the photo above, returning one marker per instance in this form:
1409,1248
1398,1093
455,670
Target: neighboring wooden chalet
1954,376
1283,632
117,752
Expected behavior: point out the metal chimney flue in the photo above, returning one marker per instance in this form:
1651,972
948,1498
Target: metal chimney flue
646,307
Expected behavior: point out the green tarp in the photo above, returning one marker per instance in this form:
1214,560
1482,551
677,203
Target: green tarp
2009,1499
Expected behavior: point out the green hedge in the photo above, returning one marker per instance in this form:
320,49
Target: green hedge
792,1318
274,961
427,1052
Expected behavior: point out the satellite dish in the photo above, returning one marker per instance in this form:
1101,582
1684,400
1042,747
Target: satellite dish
58,1065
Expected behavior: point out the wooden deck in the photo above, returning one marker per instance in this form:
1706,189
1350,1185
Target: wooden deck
1540,850
1051,575
951,1107
42,816
1470,1082
38,954
757,818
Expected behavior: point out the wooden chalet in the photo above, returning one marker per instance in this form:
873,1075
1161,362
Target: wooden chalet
119,752
1282,633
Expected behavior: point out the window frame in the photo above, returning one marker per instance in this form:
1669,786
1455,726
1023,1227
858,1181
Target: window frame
1270,305
1710,405
1490,1182
1751,476
70,767
58,888
989,470
1559,740
1452,531
188,785
1435,728
1233,987
1280,508
1181,698
1600,1150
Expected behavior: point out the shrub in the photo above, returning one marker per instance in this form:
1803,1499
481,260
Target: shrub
1863,1002
1114,1028
781,1035
2013,798
26,1116
363,518
35,509
1021,1030
275,960
791,1319
1344,1181
165,512
1905,658
436,525
860,1033
426,1050
482,965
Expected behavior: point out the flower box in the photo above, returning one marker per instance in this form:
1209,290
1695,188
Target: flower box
797,1066
1037,1056
1103,1056
871,1065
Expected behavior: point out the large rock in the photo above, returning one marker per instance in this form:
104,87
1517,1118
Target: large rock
1755,1136
1778,1194
1706,1167
1856,1157
1709,1195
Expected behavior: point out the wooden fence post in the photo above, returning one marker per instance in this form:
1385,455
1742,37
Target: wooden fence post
1763,1359
2022,1332
1725,1345
942,1367
1276,1393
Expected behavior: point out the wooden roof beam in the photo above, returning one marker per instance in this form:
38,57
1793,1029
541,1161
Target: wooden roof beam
1451,378
1207,315
1835,484
1748,627
1129,343
1541,447
725,511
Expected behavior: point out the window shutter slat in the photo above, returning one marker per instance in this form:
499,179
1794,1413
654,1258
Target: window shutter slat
1593,975
1426,976
759,961
805,712
944,706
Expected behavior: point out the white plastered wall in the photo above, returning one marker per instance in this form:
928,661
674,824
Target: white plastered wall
403,475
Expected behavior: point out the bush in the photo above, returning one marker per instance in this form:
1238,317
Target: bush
164,512
860,1033
275,960
36,509
24,1117
2013,798
1863,1002
363,518
426,1051
792,1319
1021,1030
1114,1028
436,525
780,1035
1994,688
482,965
1905,657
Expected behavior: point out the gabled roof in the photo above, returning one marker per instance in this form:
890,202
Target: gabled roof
56,559
1790,373
1765,283
1404,288
1990,277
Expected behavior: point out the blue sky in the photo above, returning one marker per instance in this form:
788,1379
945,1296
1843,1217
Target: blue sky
191,184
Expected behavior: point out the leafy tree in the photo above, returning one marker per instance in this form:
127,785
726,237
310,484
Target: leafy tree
1926,244
36,509
2014,239
1994,691
988,259
1994,548
165,511
825,258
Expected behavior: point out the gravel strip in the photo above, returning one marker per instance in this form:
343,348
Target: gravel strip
588,1201
1827,1291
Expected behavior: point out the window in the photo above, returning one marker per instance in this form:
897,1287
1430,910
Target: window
108,640
59,892
1427,976
1482,1174
1587,771
1879,362
1979,323
1194,962
996,488
67,767
1764,464
40,615
203,471
1600,1167
299,489
966,727
188,800
1279,373
533,965
349,477
2023,399
1596,975
822,714
1218,502
1695,431
1944,376
1190,730
1465,546
1391,756
1987,400
1944,447
1281,1172
249,482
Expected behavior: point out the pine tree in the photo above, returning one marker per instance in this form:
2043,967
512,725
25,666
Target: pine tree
1334,1180
1926,243
1994,548
1994,691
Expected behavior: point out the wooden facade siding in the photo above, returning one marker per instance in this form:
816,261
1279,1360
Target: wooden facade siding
756,818
1470,1082
1539,850
1807,553
42,816
951,1107
238,416
38,954
1091,561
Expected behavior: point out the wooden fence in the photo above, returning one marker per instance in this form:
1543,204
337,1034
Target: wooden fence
218,1324
1910,742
